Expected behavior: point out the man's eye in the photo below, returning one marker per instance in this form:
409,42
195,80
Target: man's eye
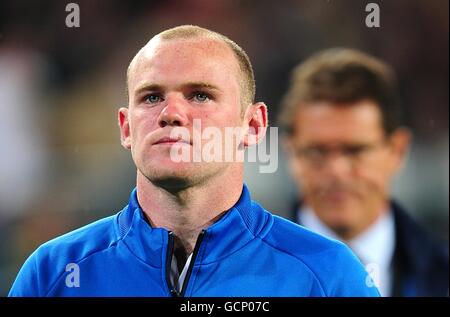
316,152
355,150
201,97
153,98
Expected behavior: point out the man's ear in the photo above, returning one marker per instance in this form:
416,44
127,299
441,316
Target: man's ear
255,119
124,124
400,141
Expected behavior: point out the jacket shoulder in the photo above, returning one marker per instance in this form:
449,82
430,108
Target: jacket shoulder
49,261
413,235
80,243
333,264
302,242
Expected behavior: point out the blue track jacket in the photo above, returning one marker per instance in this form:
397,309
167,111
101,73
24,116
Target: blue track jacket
248,252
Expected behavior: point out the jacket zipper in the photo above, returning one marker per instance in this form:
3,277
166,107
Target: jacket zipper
169,256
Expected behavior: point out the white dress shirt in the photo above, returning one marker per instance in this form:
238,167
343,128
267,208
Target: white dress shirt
375,246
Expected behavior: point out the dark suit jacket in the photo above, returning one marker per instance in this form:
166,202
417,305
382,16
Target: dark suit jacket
420,262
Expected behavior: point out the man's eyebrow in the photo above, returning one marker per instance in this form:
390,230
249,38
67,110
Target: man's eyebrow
201,85
193,85
148,87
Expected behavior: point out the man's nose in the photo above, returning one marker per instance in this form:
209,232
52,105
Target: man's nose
174,113
339,166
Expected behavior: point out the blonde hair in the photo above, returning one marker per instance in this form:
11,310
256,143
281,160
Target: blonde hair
247,78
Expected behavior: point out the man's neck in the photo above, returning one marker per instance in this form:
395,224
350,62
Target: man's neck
188,211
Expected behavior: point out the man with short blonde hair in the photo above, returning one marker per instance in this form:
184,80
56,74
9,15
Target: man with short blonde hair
189,32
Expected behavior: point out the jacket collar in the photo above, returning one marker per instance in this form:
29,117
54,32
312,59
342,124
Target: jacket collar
237,227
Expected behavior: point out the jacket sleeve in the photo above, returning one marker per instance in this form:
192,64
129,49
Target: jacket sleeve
27,281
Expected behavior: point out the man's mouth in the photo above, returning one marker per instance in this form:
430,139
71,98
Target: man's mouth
336,193
170,141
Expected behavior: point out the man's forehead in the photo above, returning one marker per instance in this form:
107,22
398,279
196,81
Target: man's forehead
361,111
150,48
202,47
332,121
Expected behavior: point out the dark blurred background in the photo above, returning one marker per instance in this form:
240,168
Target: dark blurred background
61,163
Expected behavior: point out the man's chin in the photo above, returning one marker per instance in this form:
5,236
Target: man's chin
175,179
339,218
172,183
342,230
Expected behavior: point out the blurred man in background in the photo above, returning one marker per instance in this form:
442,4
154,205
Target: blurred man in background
345,141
